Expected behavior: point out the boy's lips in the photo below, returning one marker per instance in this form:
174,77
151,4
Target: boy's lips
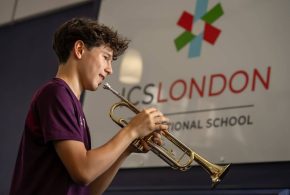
102,77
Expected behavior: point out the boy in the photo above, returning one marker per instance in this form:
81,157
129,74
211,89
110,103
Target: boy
55,155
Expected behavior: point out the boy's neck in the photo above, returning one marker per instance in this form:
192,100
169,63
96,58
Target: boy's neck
68,75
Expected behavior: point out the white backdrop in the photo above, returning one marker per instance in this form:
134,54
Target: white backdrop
230,103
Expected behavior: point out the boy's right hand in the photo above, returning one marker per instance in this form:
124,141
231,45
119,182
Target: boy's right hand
148,121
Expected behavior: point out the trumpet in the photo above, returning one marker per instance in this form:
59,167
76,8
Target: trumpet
176,154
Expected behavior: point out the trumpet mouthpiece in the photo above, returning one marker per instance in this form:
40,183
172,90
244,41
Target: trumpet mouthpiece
106,86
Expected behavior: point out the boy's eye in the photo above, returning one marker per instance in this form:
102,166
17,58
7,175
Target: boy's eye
107,58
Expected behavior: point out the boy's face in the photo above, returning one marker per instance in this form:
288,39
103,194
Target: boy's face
94,66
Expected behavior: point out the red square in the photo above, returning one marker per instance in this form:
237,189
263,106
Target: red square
186,21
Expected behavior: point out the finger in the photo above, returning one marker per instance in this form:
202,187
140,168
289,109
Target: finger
146,147
162,120
150,110
157,114
157,139
154,112
160,126
157,134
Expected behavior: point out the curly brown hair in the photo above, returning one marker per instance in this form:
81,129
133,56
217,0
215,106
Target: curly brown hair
91,33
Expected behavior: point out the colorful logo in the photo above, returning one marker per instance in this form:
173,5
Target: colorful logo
198,27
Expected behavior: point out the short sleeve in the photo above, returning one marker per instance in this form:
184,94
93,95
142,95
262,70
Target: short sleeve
57,115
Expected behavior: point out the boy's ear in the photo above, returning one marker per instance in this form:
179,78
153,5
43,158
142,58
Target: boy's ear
78,49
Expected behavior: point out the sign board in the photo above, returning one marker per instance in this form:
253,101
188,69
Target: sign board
219,69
